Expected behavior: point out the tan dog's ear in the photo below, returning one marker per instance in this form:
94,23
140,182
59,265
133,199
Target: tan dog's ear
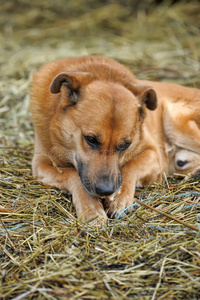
145,94
72,80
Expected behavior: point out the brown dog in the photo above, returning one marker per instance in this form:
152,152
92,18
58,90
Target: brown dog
99,132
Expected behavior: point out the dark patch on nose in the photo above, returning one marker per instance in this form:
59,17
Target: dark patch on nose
106,185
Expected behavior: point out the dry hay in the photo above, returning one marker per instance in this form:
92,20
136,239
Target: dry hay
45,253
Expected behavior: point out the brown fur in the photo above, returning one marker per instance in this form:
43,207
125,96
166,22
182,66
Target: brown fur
99,130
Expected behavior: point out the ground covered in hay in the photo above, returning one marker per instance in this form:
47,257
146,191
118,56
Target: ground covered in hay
154,253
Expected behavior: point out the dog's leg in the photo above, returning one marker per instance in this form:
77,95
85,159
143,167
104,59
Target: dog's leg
141,170
87,207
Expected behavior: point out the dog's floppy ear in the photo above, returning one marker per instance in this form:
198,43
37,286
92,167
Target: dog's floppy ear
145,94
72,80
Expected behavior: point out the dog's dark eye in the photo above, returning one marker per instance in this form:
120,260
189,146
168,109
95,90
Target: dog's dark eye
123,146
92,141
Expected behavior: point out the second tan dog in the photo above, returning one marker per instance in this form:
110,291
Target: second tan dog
99,132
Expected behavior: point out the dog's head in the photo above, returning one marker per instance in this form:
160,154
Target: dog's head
98,127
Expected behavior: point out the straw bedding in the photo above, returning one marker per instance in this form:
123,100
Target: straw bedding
45,253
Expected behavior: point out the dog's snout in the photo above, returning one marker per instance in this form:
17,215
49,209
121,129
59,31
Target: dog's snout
107,186
105,189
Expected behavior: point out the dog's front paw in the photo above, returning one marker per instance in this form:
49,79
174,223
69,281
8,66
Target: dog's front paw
119,204
93,215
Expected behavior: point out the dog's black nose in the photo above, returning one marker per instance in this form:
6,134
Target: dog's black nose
107,186
105,189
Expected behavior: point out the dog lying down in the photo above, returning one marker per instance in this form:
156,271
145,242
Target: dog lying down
100,132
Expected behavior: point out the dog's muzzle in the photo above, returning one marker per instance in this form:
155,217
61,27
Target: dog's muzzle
103,185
